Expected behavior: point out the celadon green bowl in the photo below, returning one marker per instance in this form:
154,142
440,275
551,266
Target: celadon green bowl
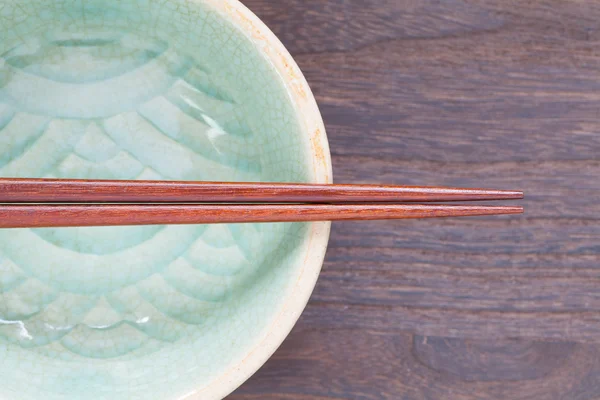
151,89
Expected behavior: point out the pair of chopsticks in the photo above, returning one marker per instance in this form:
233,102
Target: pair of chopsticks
36,203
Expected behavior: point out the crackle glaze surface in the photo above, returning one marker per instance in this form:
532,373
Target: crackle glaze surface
139,89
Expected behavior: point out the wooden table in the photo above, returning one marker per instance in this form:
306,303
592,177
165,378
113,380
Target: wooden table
504,94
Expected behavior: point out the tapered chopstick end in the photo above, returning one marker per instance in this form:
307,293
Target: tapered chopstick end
498,195
465,211
514,210
514,194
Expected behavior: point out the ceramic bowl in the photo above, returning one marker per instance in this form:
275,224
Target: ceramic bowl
150,89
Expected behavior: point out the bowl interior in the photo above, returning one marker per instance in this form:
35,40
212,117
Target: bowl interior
144,89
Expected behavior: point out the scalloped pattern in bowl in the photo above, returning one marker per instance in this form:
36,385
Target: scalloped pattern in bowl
138,89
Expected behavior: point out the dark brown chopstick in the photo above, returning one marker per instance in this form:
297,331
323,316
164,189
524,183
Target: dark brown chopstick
16,190
68,215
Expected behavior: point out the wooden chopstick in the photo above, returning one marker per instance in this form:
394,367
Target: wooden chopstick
17,190
144,202
69,215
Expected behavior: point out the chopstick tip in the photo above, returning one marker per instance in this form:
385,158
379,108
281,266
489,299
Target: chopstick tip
519,194
507,194
515,209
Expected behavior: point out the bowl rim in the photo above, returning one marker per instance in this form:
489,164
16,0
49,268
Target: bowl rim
317,147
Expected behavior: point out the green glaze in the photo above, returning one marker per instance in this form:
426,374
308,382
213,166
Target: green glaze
138,89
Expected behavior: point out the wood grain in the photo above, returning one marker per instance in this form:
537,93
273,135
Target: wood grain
33,190
454,93
72,215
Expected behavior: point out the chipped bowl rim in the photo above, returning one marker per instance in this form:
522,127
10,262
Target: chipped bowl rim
319,157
